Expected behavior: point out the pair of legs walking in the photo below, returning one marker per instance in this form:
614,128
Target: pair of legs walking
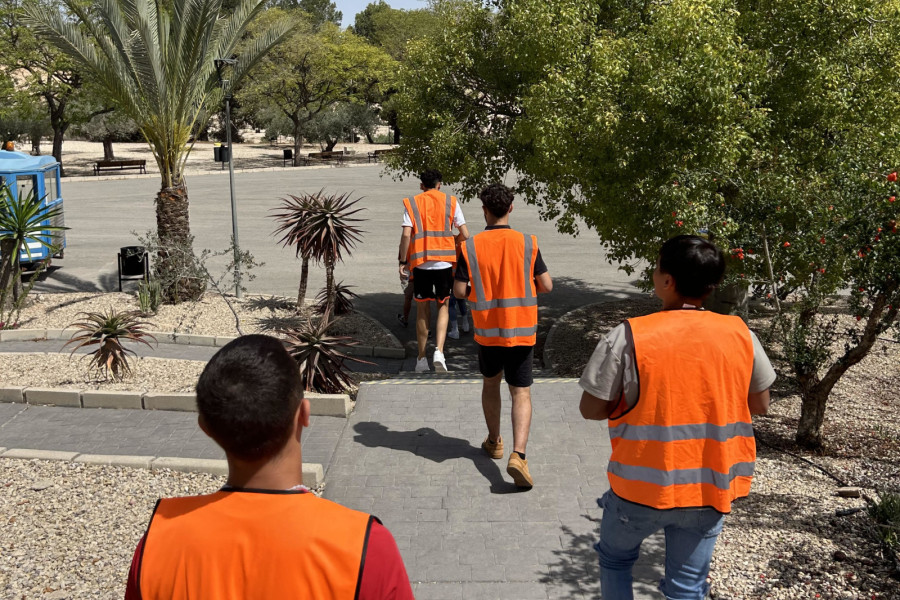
691,535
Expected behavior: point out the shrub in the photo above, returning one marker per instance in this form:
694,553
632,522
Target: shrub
319,356
107,330
343,299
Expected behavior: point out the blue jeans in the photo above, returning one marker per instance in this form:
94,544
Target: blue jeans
691,535
454,302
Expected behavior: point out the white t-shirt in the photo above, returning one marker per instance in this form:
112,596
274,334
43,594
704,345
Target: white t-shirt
458,220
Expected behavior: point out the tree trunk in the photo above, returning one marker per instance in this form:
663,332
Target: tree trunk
369,138
10,276
176,266
396,135
36,145
58,133
330,144
298,141
812,417
108,149
304,276
329,286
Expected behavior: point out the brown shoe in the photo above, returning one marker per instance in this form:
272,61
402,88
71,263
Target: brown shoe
494,450
518,470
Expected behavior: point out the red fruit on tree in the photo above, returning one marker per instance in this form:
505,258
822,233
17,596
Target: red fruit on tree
787,244
892,177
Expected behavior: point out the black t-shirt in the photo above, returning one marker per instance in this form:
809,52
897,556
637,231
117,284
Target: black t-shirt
462,269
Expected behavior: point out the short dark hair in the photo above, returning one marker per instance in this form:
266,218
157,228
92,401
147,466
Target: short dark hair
497,198
431,178
696,264
248,395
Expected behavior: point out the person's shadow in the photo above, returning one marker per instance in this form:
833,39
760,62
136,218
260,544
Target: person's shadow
431,445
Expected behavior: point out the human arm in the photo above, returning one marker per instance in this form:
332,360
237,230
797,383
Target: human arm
593,408
758,402
133,586
403,253
384,575
463,234
543,283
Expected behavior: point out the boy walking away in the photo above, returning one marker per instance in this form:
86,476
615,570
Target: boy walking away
507,273
679,388
263,535
428,249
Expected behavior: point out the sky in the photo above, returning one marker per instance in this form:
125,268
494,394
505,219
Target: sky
351,7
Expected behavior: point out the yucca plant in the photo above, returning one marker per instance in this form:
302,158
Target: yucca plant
343,299
321,227
155,61
319,356
290,216
21,219
107,330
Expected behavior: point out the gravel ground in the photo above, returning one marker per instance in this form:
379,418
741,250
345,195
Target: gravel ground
785,540
63,371
68,531
209,316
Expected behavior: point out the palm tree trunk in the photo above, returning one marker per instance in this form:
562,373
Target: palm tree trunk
176,267
304,276
329,286
10,277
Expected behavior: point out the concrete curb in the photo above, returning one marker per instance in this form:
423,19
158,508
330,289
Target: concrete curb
321,405
191,339
313,474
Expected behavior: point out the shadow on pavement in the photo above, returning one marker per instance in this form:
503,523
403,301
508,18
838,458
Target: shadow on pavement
576,566
427,443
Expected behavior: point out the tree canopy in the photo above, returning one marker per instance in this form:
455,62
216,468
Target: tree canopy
763,124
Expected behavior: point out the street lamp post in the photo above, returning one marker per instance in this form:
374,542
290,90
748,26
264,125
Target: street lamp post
226,88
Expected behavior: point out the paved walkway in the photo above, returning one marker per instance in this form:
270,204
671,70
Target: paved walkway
410,454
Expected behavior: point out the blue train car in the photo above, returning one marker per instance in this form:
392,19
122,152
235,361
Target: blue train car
24,174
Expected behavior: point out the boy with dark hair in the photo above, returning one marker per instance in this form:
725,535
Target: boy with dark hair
263,535
427,254
679,388
507,273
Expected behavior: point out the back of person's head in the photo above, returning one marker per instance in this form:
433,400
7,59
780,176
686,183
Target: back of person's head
248,396
430,178
497,198
696,265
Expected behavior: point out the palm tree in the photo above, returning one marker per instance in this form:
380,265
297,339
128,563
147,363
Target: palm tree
21,223
155,61
320,227
291,216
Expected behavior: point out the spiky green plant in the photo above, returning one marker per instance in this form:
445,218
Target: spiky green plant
107,330
322,227
290,216
343,299
319,356
155,61
21,223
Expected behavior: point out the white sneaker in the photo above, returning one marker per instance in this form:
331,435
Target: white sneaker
464,323
440,364
422,365
453,333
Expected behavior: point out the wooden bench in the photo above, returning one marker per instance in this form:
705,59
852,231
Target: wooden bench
376,154
118,165
337,155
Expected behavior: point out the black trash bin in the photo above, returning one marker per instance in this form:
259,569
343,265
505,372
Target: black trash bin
288,155
134,263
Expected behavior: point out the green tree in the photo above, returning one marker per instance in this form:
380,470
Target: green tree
310,74
155,61
319,11
767,125
391,29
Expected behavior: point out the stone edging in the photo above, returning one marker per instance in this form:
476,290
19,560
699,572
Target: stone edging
547,357
190,339
329,405
313,474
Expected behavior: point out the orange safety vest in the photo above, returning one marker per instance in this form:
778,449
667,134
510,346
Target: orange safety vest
243,544
688,442
431,213
501,269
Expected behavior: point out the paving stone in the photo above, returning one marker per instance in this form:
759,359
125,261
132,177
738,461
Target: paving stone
332,405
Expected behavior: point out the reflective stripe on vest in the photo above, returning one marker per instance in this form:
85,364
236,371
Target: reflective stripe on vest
500,321
253,545
688,441
434,240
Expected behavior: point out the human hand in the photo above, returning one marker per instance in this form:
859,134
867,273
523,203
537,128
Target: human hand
404,273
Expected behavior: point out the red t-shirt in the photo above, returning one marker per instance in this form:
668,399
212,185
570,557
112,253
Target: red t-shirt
383,577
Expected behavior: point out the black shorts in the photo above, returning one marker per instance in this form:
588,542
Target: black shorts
432,284
514,361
